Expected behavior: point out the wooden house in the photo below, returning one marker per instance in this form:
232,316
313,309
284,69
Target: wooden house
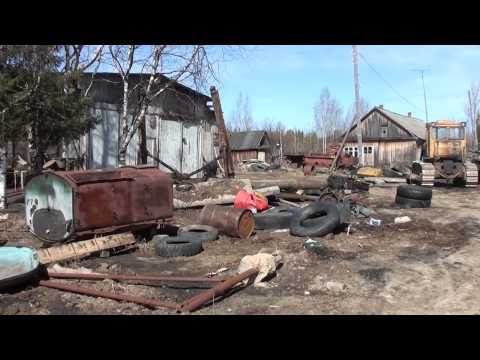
388,138
247,145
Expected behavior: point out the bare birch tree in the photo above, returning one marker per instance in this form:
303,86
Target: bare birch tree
472,111
327,114
78,59
241,118
161,66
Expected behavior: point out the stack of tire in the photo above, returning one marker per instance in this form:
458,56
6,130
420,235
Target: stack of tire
188,242
317,219
413,196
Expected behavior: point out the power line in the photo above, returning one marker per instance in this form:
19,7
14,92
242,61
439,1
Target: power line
389,85
424,92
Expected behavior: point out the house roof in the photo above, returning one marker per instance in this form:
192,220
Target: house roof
116,78
414,126
246,140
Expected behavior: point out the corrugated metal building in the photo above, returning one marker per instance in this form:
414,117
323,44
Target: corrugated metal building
247,145
388,138
180,127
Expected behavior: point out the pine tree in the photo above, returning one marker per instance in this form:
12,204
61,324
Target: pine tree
37,101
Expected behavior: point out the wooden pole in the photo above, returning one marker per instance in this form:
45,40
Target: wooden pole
224,142
339,152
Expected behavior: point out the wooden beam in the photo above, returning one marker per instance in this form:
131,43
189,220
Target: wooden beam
225,151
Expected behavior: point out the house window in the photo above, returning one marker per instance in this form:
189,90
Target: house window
369,149
383,131
352,151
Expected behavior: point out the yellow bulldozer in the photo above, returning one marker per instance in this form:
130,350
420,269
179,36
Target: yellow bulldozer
444,156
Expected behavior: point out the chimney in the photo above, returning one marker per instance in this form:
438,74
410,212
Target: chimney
380,106
409,114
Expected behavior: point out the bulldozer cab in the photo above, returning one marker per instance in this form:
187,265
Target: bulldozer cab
446,140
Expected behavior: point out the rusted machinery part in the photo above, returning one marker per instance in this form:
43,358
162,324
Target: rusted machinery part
150,303
199,300
97,202
59,275
471,170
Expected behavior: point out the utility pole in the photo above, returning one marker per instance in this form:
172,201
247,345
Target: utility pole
357,103
3,164
421,71
281,145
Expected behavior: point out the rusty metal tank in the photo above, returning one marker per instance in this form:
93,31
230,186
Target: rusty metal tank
72,204
231,221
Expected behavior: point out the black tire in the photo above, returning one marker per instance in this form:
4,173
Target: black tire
177,246
412,203
278,218
313,192
326,216
414,192
388,172
199,232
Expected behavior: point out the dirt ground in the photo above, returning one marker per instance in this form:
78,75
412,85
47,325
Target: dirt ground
430,265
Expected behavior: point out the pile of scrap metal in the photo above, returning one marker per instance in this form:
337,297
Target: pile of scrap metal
20,266
315,212
322,162
255,165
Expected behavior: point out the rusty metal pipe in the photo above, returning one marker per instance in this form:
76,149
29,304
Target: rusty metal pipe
91,292
60,275
197,301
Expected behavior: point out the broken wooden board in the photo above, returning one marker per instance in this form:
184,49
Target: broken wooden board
212,192
80,249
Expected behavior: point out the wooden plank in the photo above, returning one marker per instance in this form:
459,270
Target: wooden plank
80,249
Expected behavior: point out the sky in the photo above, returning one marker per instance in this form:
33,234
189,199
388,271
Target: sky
283,82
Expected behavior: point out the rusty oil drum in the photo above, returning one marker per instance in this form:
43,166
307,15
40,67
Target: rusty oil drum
228,220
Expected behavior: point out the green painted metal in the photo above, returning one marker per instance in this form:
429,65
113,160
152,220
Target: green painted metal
48,191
